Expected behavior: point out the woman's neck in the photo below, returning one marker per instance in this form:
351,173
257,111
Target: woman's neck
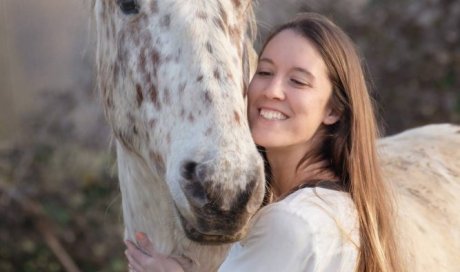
285,175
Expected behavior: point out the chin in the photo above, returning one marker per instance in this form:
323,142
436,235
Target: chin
266,140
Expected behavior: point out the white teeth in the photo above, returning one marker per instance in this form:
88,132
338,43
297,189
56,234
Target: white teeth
272,115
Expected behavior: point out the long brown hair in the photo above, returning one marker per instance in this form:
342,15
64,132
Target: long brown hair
349,145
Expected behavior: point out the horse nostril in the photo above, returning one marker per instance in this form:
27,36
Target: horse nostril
197,192
193,185
188,170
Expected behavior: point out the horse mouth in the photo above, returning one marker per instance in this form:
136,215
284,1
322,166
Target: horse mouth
205,238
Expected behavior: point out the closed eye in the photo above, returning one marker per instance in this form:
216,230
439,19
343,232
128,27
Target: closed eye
299,83
263,73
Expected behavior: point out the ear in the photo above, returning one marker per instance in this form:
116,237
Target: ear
331,117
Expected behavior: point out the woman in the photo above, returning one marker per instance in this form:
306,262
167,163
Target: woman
327,206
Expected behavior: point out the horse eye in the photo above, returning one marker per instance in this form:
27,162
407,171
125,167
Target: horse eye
128,6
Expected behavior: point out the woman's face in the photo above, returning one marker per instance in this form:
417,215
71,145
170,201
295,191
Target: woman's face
289,94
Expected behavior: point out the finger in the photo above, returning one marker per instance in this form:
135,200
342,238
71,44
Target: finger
131,268
137,255
145,244
182,263
135,252
131,246
133,264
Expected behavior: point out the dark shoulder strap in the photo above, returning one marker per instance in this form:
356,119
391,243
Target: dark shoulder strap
326,184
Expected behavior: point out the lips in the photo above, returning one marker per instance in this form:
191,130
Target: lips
271,114
210,239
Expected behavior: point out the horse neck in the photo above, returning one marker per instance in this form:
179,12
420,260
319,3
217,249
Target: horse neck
146,201
148,207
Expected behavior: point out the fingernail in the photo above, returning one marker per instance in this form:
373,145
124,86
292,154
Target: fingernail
140,236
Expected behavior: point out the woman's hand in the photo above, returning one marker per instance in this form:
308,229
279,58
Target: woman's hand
144,258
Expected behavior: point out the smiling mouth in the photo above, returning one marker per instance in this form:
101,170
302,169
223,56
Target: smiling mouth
210,239
272,114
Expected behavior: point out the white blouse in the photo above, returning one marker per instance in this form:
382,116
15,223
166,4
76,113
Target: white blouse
313,229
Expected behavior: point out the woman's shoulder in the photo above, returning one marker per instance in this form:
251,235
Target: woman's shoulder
310,201
317,211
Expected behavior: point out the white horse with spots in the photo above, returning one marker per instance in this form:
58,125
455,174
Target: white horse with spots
423,167
172,75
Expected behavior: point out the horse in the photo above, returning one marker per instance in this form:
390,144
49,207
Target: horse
173,77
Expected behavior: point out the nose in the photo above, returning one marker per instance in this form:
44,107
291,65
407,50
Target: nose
274,89
205,193
221,198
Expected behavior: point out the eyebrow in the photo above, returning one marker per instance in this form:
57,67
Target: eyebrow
297,69
306,72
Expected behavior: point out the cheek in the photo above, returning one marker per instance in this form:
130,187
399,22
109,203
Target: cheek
311,103
251,91
300,102
252,97
252,114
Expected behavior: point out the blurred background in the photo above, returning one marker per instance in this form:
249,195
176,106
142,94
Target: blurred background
59,198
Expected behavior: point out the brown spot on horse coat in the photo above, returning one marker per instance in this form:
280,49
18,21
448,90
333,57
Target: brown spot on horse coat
134,28
237,117
166,21
116,72
112,24
190,117
229,76
130,118
154,95
209,47
166,96
122,52
218,22
223,14
202,15
146,37
126,139
207,97
182,88
142,61
152,123
178,55
159,162
139,95
216,74
109,102
208,131
236,3
168,138
235,38
107,33
155,57
154,6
